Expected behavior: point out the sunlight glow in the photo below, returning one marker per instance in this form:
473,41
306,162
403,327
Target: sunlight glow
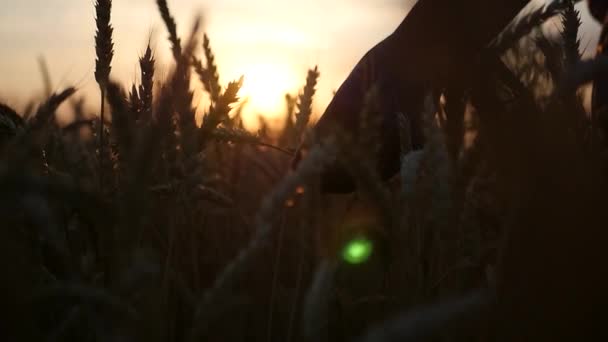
265,87
264,34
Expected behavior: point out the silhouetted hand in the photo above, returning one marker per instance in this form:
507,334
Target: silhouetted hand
599,9
437,43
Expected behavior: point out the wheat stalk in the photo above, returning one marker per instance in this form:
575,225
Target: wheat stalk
307,170
522,27
553,56
571,21
315,313
134,101
219,111
146,89
176,45
104,48
208,75
122,120
305,102
430,322
46,76
46,111
239,135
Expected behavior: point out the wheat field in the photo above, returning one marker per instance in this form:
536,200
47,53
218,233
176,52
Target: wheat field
141,224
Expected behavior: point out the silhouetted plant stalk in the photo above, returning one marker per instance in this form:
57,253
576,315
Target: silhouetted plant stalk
218,112
47,110
10,123
241,136
305,102
571,21
456,316
528,23
316,303
134,101
146,88
180,100
176,46
104,48
552,50
122,121
358,153
454,126
46,76
183,97
310,168
208,75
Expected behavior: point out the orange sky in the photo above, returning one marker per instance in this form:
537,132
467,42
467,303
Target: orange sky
252,37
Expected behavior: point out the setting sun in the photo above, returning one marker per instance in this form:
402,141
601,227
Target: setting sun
265,86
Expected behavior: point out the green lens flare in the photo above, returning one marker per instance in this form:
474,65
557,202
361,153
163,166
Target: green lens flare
357,251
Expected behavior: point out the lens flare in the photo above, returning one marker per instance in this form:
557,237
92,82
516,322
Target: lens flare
357,251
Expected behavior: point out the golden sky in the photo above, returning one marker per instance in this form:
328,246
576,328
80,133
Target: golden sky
271,42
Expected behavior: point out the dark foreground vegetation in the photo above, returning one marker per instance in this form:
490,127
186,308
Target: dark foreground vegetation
146,226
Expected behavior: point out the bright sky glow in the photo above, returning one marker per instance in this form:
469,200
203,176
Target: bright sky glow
272,42
265,86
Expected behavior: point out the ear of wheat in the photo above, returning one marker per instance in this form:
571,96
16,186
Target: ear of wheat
104,48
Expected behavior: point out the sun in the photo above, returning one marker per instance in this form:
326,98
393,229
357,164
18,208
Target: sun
265,86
